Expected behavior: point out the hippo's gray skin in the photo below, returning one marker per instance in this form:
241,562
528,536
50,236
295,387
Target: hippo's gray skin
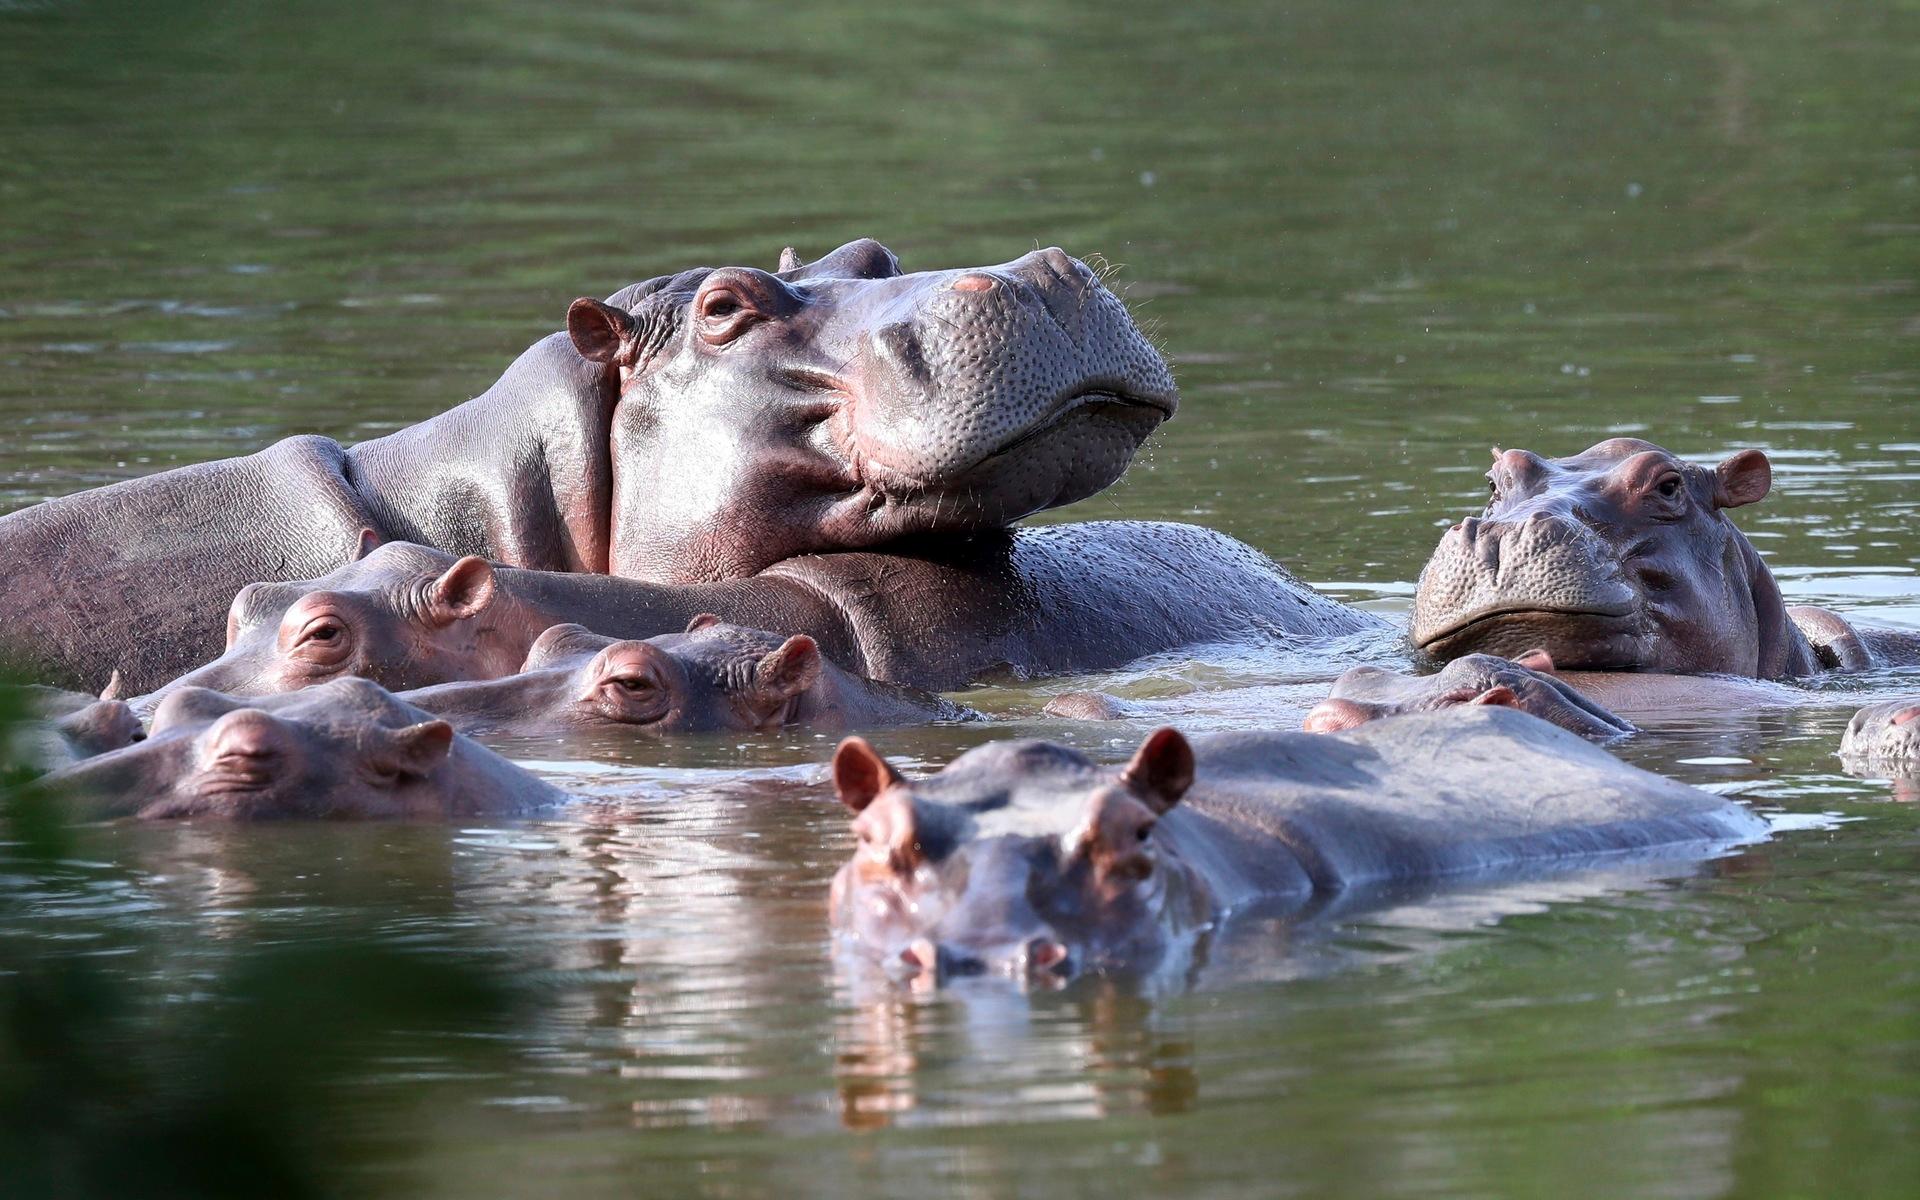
1363,694
346,748
1884,735
73,726
1622,558
1027,858
713,677
697,427
1031,602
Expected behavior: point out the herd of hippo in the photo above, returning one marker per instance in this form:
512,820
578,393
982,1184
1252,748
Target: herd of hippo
743,500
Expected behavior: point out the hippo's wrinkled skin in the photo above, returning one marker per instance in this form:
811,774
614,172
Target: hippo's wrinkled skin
1884,735
698,427
713,677
1622,558
1030,602
1027,858
346,748
1364,694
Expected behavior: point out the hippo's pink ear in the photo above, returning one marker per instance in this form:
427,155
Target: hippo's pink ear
369,542
416,750
115,685
1162,769
463,591
789,261
702,620
601,332
1746,478
860,774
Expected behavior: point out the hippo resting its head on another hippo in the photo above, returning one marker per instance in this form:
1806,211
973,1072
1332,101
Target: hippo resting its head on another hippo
701,426
713,677
1027,858
342,749
1622,558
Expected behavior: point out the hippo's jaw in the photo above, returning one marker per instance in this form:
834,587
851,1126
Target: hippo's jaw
1585,640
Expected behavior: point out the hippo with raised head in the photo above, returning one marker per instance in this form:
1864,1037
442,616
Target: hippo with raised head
1621,558
346,748
714,676
1028,858
1032,602
697,427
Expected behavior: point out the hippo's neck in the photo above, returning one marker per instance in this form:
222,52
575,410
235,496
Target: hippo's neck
1782,650
521,474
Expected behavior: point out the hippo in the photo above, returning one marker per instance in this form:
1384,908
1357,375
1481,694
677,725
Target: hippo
714,676
1529,683
72,725
346,748
1885,735
1027,858
1622,558
697,427
1028,602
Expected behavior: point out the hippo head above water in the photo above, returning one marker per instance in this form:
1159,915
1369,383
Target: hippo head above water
404,616
843,403
346,748
1618,558
1021,858
713,677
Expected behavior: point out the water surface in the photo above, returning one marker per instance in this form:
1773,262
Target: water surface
1374,244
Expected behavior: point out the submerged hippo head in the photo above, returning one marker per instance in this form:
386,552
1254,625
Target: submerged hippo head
1883,734
1621,557
842,403
402,615
714,676
1020,857
1364,694
343,749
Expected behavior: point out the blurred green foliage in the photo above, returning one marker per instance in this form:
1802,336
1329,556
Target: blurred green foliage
112,1087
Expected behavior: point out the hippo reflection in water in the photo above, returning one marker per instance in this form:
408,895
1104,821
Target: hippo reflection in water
346,748
700,426
1027,858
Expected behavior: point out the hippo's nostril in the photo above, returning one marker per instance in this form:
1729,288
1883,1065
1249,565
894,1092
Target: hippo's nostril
1906,715
1045,954
922,953
974,283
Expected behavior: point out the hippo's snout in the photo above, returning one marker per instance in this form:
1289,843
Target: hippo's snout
1041,958
1507,587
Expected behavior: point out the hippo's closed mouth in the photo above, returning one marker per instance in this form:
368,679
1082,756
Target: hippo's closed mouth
1076,402
1481,618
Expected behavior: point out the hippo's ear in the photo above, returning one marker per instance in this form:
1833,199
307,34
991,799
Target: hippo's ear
702,620
788,671
789,261
415,751
860,774
116,684
1746,478
601,332
1162,769
463,591
368,542
1498,696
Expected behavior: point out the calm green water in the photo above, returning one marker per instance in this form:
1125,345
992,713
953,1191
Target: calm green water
1375,241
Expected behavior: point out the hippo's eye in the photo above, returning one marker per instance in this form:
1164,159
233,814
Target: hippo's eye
1145,829
632,683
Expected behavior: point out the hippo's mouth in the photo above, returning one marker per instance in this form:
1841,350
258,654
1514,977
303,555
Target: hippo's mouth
1161,408
1586,638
